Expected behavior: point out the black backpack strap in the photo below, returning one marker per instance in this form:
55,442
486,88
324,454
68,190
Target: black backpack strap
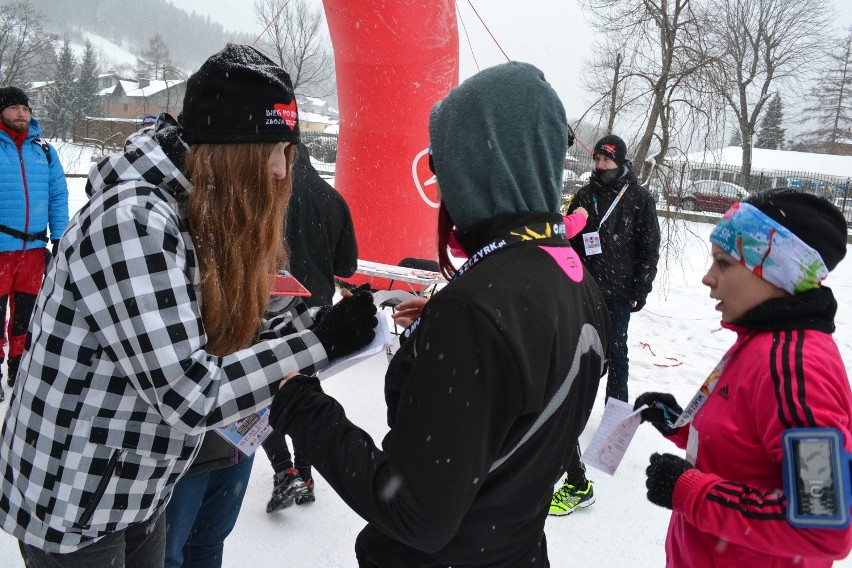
45,148
26,237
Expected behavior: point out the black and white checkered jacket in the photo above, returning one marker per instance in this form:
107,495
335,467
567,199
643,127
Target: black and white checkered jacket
115,389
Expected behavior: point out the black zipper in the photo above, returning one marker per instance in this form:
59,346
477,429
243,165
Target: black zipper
83,521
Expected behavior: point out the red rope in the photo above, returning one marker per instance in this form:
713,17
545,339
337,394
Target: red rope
580,142
677,362
488,30
270,23
470,45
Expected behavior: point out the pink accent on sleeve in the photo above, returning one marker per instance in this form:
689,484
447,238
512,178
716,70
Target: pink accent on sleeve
574,223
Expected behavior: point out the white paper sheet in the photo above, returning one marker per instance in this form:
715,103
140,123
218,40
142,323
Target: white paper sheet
382,343
618,425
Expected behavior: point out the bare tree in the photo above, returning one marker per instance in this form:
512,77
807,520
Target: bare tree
23,43
296,39
830,102
604,76
155,59
666,40
758,44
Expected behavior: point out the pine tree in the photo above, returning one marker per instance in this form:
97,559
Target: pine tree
771,135
830,103
736,138
61,95
87,86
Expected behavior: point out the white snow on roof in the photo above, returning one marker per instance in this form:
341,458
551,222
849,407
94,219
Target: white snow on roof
313,117
333,129
132,89
315,101
764,160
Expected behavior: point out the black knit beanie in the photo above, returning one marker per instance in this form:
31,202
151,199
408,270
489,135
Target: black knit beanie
498,144
613,148
12,96
239,96
815,220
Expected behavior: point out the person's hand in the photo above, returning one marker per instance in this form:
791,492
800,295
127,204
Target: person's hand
663,473
662,413
638,304
582,211
408,311
348,325
54,246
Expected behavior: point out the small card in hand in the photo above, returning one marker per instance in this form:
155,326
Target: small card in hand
285,285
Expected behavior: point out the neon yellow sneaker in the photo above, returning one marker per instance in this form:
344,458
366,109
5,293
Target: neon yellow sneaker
569,498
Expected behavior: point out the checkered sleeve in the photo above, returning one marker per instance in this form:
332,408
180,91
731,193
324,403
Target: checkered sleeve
129,276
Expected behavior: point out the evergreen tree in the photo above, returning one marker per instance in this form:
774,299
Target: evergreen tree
61,95
87,87
771,135
830,103
736,138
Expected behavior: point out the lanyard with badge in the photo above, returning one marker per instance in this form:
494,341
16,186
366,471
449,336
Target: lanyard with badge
592,240
519,235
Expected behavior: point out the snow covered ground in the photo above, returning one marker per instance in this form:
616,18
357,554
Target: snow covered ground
674,342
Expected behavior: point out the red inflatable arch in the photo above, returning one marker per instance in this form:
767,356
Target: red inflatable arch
394,59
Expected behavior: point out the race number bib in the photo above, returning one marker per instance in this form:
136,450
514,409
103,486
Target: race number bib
592,243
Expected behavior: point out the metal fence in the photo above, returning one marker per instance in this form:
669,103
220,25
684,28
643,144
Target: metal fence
714,187
323,150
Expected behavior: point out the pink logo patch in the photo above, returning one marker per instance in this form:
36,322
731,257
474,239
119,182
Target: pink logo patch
567,260
287,113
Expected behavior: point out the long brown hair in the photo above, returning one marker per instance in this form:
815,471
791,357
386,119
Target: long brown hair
236,215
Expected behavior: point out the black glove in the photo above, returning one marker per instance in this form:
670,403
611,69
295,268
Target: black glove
663,473
640,303
663,412
347,326
349,292
54,246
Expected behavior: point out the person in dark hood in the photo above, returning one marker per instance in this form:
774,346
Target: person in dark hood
322,244
493,384
620,247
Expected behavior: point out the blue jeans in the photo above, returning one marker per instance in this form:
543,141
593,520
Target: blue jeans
138,546
202,513
619,317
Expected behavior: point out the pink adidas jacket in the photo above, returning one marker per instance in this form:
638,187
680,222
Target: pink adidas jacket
730,510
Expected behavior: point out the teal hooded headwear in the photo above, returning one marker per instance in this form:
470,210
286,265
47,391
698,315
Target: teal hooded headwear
498,144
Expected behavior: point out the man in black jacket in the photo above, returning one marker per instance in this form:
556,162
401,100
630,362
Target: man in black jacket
321,239
620,247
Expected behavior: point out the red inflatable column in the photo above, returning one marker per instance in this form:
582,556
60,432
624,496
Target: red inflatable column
394,59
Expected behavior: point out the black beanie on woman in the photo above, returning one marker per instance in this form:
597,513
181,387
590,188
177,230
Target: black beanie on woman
239,96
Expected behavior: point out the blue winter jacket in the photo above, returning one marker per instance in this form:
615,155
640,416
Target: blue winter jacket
33,194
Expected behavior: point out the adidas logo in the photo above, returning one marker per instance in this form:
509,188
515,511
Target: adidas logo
723,392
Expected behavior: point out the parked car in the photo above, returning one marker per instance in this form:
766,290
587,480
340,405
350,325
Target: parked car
845,205
707,195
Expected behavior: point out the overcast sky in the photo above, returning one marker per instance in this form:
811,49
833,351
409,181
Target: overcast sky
551,34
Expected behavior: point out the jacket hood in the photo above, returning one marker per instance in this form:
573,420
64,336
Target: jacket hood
498,144
143,160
